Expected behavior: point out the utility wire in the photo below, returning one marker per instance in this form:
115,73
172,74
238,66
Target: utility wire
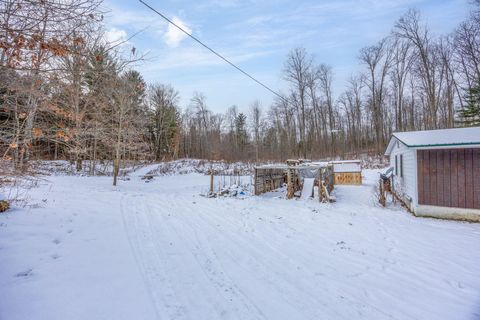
213,51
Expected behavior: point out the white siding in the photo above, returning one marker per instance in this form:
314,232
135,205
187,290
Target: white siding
406,186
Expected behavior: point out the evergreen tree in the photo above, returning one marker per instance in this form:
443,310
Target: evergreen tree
241,131
470,114
163,125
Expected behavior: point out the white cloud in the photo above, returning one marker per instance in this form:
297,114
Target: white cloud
173,37
191,57
208,5
115,36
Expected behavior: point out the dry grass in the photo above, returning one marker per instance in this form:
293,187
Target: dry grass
15,184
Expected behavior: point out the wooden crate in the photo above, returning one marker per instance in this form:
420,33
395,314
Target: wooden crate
352,178
268,179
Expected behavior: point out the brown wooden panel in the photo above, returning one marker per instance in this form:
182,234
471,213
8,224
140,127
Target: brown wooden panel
426,177
449,178
447,190
476,179
469,178
453,177
461,178
439,177
352,178
420,174
433,177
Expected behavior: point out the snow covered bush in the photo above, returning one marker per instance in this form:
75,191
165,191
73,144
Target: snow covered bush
186,166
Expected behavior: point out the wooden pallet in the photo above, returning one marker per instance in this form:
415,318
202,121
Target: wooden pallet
352,178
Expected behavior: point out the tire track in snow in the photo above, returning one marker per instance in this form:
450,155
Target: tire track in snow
196,245
282,260
278,275
160,229
141,241
150,236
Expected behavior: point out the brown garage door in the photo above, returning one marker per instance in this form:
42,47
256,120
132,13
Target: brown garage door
449,177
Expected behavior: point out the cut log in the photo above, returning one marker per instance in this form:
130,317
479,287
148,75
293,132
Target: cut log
4,205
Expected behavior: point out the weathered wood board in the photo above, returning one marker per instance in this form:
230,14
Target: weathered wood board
351,178
268,179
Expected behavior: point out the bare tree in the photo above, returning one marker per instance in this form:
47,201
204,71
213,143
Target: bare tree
256,124
325,76
402,61
297,68
409,27
377,58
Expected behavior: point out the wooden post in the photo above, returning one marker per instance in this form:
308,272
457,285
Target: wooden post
211,181
290,184
381,192
320,186
255,182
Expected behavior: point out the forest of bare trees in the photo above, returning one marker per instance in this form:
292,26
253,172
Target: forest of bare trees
66,93
412,79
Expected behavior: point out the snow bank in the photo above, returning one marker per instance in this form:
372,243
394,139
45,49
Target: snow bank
63,167
186,166
175,167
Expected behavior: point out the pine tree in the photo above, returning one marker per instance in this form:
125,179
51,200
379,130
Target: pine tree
470,114
241,131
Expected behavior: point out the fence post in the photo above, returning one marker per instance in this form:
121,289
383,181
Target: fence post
290,184
255,182
211,181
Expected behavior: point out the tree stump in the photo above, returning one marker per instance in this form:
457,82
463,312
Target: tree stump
4,205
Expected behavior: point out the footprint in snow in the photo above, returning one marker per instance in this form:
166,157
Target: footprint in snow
69,231
56,241
455,284
55,256
25,273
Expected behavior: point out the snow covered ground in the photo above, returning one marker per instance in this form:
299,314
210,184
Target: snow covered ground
158,250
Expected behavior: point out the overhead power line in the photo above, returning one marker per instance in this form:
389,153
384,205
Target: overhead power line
213,51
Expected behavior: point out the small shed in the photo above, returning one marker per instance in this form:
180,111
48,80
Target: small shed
347,172
436,173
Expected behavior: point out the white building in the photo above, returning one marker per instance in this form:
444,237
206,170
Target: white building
437,172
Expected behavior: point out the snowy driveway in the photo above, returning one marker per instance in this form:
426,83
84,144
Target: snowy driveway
158,250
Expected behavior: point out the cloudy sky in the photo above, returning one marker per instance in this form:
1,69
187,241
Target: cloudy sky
257,35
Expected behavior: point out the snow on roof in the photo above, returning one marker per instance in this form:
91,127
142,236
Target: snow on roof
347,161
272,166
437,138
320,164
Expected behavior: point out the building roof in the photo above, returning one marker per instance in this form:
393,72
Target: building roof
314,165
346,161
436,138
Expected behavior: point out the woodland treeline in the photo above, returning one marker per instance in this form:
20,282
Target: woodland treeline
66,93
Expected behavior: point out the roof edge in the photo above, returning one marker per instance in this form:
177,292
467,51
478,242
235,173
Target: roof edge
443,145
391,143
